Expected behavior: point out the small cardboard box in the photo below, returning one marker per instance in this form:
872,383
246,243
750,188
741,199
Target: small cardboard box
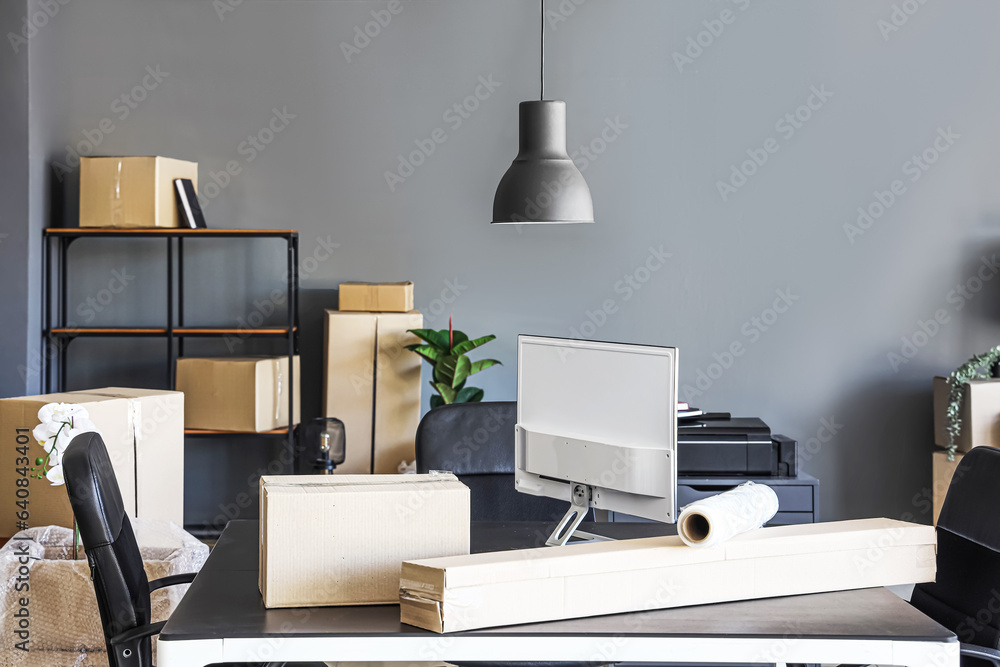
330,540
384,297
237,393
980,414
491,589
372,384
131,191
143,430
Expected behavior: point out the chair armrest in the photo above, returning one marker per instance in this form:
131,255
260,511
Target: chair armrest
981,653
172,580
137,633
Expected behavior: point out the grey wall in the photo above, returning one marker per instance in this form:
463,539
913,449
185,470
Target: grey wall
819,371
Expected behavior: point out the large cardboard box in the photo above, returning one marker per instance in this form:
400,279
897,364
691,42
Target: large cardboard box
512,587
943,471
143,430
367,297
372,384
131,191
238,393
980,414
339,540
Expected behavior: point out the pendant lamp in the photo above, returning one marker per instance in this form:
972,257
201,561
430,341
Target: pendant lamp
542,185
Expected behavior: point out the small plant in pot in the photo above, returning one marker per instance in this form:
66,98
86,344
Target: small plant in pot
979,367
446,352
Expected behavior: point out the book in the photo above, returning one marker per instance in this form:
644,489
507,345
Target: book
187,204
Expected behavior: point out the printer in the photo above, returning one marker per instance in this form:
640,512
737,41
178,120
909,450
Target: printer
717,444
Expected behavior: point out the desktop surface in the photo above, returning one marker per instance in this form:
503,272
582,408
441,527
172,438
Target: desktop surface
224,602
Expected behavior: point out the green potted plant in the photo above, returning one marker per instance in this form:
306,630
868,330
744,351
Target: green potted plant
979,367
446,351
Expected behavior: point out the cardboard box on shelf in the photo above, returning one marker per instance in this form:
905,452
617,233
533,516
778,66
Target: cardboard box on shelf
143,430
238,393
339,540
372,384
376,297
980,414
132,191
489,589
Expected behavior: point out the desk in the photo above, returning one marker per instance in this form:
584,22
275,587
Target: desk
222,619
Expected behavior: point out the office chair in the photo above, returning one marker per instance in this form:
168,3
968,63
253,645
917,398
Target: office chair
965,598
113,554
476,442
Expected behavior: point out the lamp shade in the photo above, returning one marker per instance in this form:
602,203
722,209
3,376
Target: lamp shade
542,185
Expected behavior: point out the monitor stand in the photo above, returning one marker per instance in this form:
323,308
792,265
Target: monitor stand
579,498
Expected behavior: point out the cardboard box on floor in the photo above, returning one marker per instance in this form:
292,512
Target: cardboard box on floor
339,540
143,430
372,384
132,191
513,587
980,414
378,297
237,393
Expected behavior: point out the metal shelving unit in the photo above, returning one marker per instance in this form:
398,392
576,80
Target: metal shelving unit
57,335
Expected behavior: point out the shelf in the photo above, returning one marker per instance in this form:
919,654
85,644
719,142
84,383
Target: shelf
202,431
161,332
168,232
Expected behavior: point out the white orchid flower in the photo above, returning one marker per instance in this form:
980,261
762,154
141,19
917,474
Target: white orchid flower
55,475
44,431
61,412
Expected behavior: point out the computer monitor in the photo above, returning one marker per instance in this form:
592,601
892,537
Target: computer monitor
597,427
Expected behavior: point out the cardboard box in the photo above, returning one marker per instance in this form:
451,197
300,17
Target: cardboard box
143,430
237,393
372,384
552,583
339,540
384,297
943,471
132,191
980,414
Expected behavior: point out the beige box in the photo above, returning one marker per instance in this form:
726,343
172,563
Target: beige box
132,191
980,414
237,393
385,297
143,431
943,471
372,384
339,540
512,587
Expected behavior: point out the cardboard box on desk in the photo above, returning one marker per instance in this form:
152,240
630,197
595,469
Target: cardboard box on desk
339,540
376,297
380,421
143,430
238,393
513,587
980,414
132,191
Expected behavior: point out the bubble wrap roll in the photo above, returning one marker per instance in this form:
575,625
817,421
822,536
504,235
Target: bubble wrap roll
713,520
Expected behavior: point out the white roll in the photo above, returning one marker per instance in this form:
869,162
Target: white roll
713,520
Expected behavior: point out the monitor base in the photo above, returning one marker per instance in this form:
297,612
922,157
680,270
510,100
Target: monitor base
567,527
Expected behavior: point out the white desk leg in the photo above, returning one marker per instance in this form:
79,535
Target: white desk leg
192,653
925,654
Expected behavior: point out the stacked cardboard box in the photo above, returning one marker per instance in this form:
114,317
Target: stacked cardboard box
131,191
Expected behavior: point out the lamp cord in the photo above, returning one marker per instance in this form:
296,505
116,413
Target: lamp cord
541,73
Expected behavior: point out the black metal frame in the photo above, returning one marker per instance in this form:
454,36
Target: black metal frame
57,336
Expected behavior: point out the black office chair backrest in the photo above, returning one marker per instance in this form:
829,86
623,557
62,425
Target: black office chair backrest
966,596
112,552
476,442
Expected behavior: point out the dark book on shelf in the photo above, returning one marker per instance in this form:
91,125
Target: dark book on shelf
187,204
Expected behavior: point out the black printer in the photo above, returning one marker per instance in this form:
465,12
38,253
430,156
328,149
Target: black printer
717,444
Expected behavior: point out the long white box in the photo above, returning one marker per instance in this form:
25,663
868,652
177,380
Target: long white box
553,583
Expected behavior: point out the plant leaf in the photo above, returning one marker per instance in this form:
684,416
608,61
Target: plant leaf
428,352
459,336
469,395
463,368
444,370
438,339
447,393
483,364
436,401
469,345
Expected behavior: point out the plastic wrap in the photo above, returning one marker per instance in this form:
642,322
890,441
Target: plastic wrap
713,520
65,624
